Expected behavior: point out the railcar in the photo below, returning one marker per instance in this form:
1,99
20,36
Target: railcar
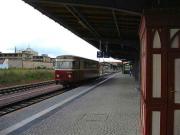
70,70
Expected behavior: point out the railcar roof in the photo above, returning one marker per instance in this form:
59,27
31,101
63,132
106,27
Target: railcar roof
73,57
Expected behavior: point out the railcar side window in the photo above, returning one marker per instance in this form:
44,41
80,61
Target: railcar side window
90,65
76,65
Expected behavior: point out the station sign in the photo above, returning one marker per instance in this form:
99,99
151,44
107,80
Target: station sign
101,54
106,55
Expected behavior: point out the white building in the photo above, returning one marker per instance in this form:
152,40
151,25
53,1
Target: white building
3,63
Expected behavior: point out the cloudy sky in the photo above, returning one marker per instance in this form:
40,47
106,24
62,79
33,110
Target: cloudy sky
23,26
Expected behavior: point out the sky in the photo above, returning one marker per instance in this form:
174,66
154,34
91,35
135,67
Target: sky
22,26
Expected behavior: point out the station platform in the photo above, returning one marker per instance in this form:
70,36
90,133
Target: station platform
110,107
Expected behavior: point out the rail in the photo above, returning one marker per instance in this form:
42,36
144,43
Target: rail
19,88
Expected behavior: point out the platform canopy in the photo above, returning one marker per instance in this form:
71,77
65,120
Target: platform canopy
114,23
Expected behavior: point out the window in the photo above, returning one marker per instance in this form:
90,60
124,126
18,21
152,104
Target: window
75,64
67,65
90,65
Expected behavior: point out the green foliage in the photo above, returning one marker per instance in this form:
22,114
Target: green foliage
20,76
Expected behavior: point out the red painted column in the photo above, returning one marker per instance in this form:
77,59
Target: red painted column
160,39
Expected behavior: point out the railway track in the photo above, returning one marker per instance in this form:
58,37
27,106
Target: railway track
20,88
25,103
15,98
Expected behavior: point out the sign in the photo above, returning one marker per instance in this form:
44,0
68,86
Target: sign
106,55
99,54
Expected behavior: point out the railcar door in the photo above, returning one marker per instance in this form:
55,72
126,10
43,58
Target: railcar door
173,124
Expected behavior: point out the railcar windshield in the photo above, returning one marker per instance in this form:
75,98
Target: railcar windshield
67,65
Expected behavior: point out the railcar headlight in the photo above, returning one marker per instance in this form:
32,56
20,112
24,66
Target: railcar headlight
57,76
69,76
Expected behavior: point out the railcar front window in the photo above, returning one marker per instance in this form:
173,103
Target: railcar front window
67,64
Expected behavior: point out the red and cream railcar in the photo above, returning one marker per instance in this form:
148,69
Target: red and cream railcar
70,69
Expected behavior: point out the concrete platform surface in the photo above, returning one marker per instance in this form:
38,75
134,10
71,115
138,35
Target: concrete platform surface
110,109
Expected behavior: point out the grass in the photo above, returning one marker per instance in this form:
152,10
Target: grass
10,77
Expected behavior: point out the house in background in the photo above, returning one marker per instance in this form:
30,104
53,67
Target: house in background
42,58
27,58
16,56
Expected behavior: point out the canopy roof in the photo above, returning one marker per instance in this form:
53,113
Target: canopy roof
112,23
